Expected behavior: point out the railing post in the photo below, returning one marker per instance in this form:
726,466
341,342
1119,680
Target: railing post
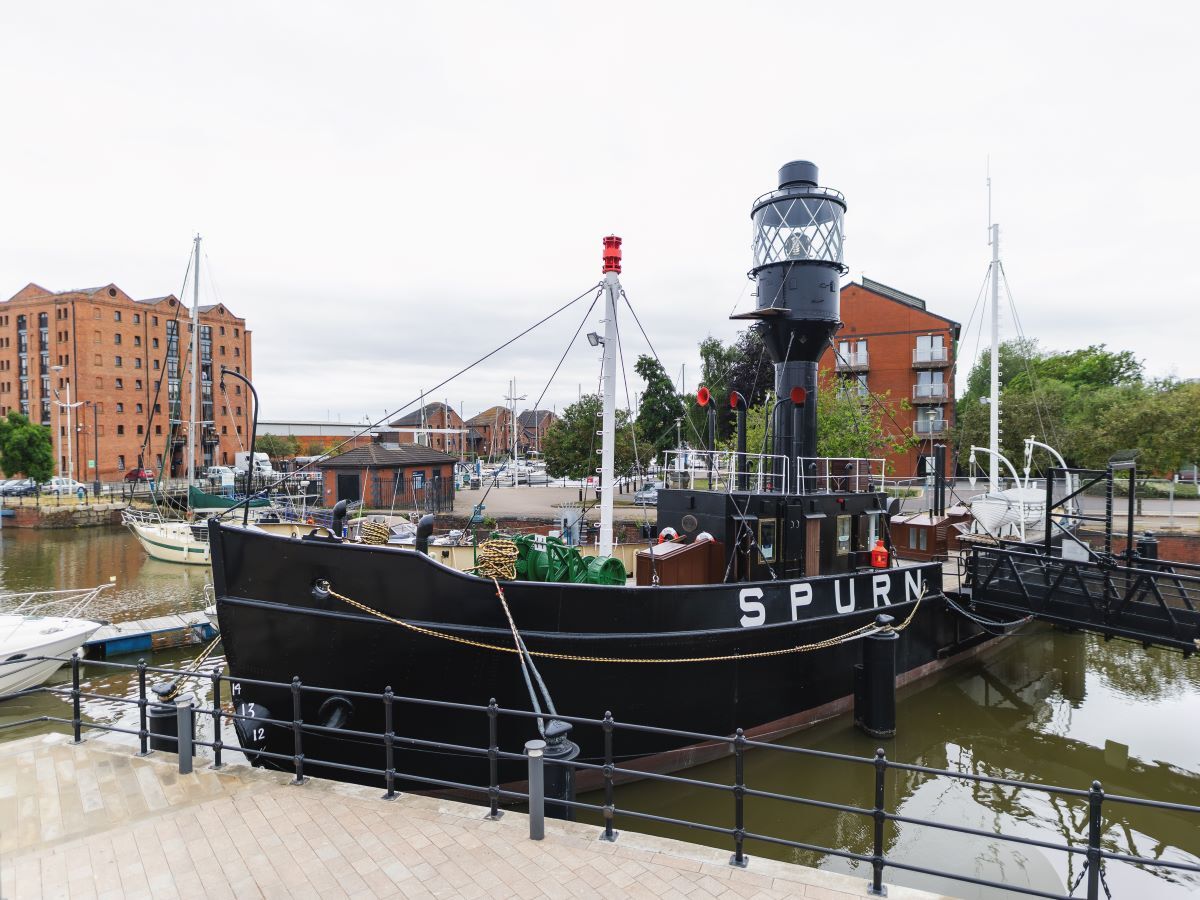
609,806
389,744
297,733
216,714
493,762
876,887
537,789
1095,799
143,725
739,858
76,716
183,728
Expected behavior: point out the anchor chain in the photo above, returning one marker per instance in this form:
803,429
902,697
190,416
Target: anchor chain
854,634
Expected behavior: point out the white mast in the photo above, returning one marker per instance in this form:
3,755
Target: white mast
994,395
191,468
612,289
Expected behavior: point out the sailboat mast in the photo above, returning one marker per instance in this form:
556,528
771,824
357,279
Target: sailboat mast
191,467
994,395
612,289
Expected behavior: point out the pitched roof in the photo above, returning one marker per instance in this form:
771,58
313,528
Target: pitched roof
489,416
420,415
891,293
532,417
378,456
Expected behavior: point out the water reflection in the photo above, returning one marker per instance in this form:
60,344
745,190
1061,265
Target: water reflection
1045,707
76,558
36,560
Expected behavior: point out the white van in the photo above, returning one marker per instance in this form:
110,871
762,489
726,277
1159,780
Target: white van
262,463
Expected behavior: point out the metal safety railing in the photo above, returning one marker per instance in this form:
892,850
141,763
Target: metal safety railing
824,474
1090,845
725,471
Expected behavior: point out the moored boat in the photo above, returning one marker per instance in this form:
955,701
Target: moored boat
750,616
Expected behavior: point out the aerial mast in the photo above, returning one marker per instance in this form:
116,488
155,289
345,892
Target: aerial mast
994,389
612,289
191,467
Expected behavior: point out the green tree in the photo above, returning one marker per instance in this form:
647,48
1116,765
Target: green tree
750,370
848,425
659,408
25,448
277,446
571,446
317,447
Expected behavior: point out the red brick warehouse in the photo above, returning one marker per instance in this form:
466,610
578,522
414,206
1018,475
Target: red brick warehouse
891,343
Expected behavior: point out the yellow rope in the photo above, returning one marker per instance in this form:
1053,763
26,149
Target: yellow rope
862,631
496,558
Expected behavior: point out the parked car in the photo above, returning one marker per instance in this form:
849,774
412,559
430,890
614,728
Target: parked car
23,487
61,485
139,475
648,496
218,474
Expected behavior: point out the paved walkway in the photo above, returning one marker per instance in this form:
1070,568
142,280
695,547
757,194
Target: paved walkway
96,821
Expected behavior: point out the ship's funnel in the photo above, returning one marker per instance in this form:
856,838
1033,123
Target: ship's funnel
797,242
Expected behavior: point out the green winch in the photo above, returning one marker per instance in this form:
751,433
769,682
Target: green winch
542,558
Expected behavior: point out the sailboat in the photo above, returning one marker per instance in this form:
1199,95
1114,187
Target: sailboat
167,537
748,616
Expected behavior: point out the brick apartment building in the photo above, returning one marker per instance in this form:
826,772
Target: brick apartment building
126,362
891,343
490,432
435,425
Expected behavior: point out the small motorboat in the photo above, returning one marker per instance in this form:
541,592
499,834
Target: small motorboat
29,633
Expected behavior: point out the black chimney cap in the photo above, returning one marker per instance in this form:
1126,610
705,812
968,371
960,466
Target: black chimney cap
798,172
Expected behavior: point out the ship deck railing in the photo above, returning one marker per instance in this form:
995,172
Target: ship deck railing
726,471
836,474
1097,818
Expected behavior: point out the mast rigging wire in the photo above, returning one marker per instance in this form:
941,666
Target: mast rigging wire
436,387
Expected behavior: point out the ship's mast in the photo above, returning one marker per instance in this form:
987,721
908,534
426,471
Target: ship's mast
994,395
191,468
612,290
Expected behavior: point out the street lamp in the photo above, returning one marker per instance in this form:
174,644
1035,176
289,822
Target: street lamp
68,406
95,452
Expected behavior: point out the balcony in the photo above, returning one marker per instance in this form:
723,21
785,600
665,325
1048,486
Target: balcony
931,358
931,427
930,393
210,436
856,361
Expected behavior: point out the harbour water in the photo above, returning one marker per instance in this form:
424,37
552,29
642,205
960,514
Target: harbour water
1043,706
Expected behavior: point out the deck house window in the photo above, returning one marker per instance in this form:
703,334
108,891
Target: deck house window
766,540
844,529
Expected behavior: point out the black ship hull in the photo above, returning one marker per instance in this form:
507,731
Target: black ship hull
276,627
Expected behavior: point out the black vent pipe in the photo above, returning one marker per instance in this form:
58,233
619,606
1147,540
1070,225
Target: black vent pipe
424,530
738,402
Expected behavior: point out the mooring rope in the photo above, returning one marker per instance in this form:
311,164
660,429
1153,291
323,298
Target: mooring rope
860,632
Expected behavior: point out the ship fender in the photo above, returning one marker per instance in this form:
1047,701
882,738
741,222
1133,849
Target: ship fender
251,731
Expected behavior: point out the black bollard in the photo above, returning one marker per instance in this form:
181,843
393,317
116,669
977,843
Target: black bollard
162,717
560,777
1147,546
875,682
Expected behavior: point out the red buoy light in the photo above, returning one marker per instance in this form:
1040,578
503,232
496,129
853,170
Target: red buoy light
799,395
703,396
612,254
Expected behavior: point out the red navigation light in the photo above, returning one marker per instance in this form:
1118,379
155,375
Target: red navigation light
799,395
733,400
612,254
703,397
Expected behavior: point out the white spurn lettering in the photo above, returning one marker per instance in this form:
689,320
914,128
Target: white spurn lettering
750,600
881,586
913,587
801,596
848,606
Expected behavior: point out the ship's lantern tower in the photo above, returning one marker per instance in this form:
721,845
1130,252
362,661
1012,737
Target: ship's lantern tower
797,244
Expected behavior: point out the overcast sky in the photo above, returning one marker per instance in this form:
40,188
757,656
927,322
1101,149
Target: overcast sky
387,191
